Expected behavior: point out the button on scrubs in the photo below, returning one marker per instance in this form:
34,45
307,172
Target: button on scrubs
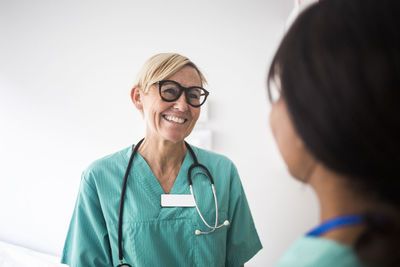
155,235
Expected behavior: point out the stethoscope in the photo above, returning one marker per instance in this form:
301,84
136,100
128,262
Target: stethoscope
191,168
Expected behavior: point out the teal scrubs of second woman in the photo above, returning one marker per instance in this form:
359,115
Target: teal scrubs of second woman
169,95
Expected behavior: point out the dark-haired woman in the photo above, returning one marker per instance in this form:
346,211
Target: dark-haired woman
337,126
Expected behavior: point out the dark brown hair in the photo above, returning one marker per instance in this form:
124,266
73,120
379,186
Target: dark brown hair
338,67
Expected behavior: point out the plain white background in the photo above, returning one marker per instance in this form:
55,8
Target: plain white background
66,70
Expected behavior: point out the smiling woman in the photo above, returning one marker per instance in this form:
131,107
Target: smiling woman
139,181
174,119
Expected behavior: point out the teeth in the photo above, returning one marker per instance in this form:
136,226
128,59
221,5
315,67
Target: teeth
175,119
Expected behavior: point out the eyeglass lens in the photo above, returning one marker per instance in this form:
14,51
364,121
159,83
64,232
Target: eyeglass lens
171,91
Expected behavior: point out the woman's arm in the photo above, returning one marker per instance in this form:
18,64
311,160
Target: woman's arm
87,242
242,238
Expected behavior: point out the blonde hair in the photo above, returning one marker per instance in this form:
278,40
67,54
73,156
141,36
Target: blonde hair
162,66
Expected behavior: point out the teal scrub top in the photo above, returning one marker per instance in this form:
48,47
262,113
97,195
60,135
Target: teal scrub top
153,235
316,252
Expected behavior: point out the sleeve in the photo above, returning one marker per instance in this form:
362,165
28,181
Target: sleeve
242,241
87,242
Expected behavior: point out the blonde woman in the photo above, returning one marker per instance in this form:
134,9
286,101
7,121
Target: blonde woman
163,202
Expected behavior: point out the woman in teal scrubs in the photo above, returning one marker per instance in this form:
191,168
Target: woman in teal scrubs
337,126
153,234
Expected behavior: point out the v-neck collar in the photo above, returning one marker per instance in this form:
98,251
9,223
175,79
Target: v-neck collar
142,173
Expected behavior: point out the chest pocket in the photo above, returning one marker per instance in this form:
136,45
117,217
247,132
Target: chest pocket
159,243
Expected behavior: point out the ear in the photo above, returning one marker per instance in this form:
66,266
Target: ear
136,96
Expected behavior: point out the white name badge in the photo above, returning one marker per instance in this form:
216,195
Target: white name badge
172,200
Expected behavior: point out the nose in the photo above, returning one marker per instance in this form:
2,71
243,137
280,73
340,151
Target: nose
181,104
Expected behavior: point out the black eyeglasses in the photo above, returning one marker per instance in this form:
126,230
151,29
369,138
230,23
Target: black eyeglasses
171,91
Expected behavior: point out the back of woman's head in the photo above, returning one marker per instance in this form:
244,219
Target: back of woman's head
338,68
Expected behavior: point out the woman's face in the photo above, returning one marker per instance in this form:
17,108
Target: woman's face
170,121
299,161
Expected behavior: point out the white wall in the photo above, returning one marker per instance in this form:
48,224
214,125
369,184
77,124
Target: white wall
66,69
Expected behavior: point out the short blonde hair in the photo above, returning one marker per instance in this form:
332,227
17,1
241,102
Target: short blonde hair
160,67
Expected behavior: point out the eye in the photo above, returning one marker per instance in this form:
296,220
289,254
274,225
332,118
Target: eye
194,94
170,91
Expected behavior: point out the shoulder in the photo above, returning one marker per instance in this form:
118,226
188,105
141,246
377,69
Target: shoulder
212,158
106,166
220,166
320,252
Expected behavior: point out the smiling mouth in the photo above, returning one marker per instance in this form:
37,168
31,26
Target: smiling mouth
174,119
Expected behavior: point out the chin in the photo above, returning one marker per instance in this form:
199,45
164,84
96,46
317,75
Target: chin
174,138
296,176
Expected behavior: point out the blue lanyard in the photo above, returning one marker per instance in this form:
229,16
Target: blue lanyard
335,223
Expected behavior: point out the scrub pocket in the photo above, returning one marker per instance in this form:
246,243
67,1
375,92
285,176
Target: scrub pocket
210,249
159,243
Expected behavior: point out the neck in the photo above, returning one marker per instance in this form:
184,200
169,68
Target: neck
161,153
337,198
164,158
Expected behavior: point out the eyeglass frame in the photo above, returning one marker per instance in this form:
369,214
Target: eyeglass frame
181,89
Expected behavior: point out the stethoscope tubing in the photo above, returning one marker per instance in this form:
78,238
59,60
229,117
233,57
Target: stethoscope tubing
121,202
189,177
